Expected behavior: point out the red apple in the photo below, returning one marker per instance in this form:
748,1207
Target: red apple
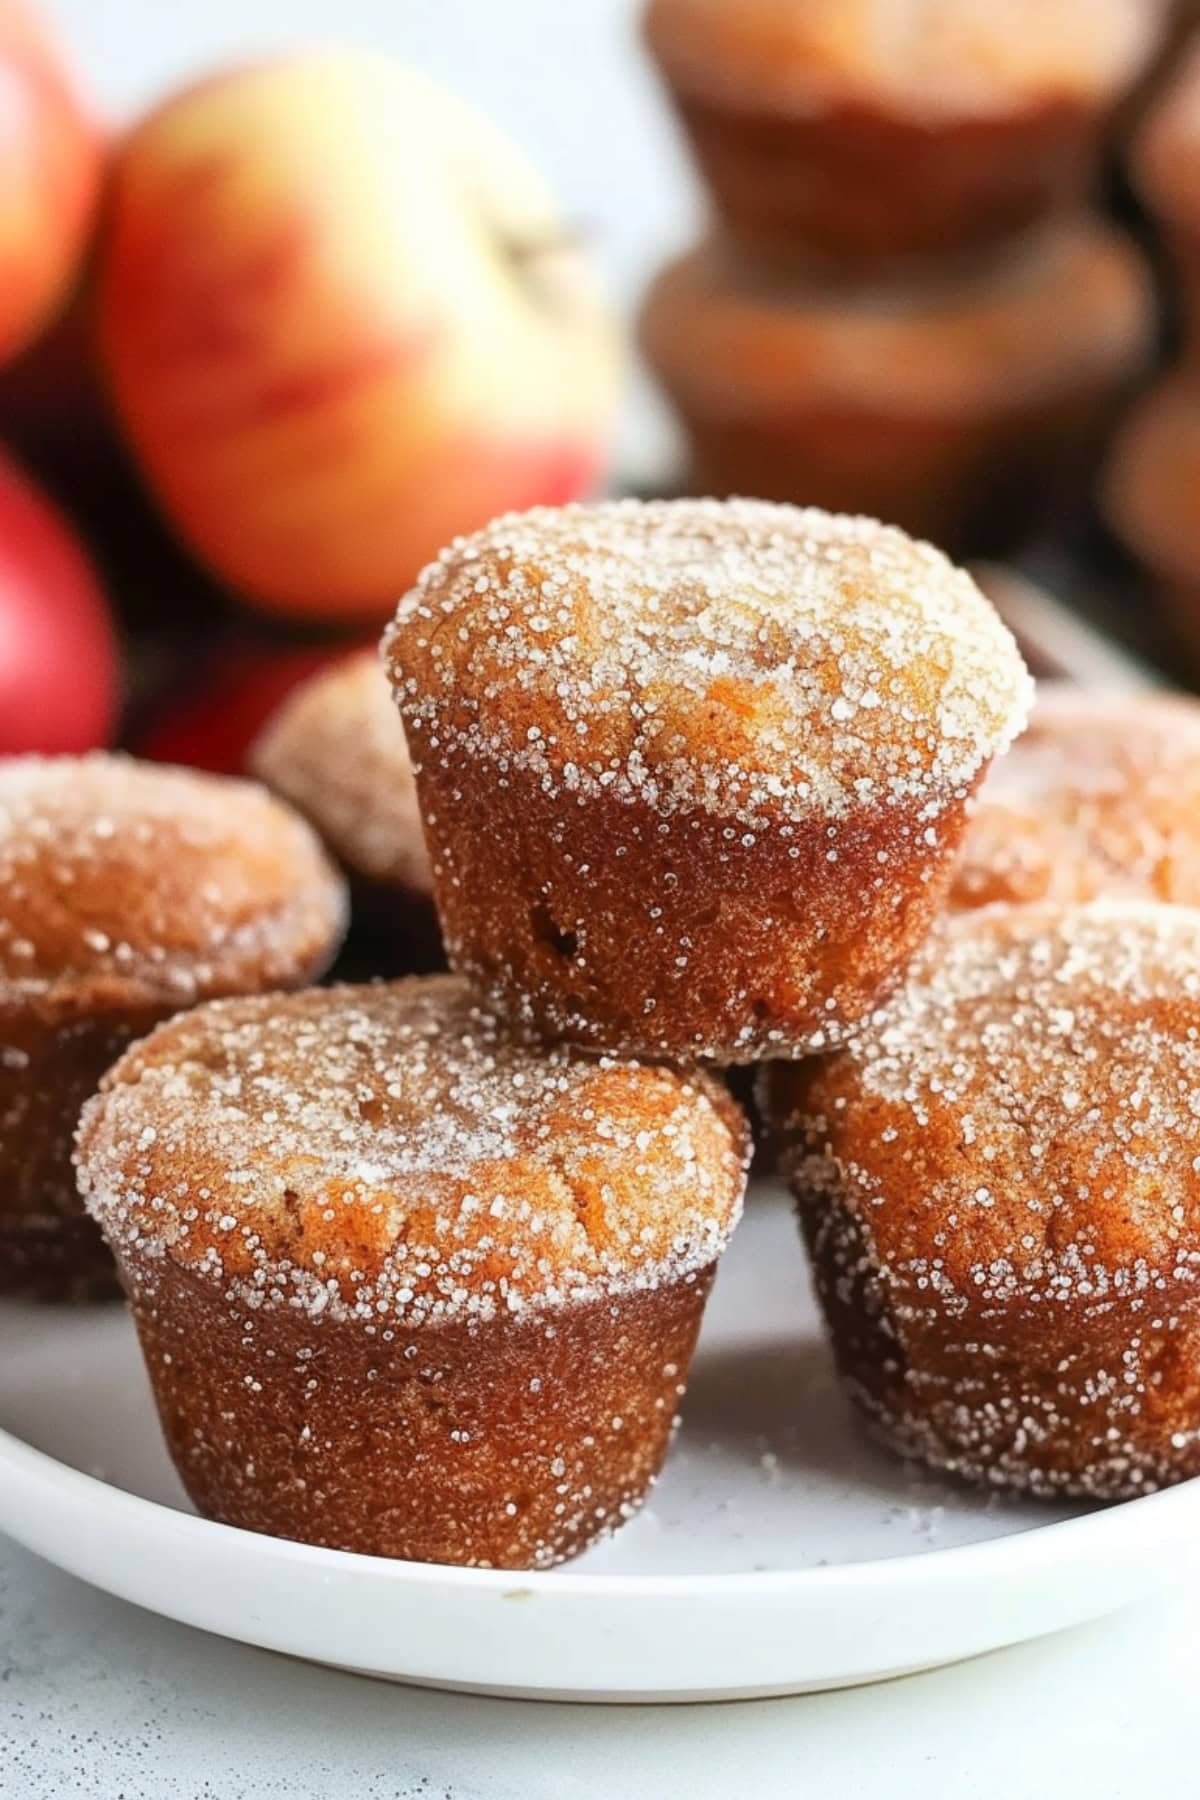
58,656
210,713
343,323
51,155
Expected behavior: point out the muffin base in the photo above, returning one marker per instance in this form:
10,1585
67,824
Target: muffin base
856,189
1099,1401
504,1443
49,1248
611,926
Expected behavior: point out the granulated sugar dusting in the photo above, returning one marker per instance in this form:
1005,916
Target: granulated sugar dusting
130,881
389,1153
737,657
1002,1168
1100,797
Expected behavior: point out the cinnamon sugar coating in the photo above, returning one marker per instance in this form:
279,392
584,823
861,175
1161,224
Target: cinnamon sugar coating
997,1181
693,773
126,892
405,1284
139,883
1099,797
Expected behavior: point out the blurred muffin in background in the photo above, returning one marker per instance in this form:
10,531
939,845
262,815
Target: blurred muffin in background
1098,799
336,751
964,405
1165,171
857,132
1151,499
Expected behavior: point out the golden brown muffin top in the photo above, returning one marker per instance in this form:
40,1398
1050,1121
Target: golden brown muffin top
129,883
335,749
751,660
1165,158
1072,304
391,1152
1024,1115
1152,483
1100,797
935,59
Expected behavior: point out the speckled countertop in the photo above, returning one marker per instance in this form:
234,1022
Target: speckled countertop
99,1701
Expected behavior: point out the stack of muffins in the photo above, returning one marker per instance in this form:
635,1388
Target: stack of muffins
905,308
418,1267
1152,489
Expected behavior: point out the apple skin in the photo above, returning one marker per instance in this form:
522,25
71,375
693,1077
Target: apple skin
51,163
59,674
211,711
342,325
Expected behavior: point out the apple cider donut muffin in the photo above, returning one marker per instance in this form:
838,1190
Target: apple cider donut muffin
127,891
693,774
1151,500
405,1285
966,404
335,749
1165,167
1099,798
861,131
997,1181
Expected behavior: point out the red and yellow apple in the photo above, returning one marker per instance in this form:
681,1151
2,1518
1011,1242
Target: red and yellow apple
58,654
343,323
51,157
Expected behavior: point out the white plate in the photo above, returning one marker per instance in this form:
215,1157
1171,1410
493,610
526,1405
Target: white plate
780,1551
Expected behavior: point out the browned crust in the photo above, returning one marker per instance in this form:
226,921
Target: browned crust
511,1444
996,1180
575,918
1052,1400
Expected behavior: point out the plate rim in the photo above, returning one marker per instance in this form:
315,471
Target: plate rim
1086,1534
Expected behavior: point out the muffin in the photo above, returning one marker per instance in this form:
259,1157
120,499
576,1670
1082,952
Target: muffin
127,891
1151,500
1099,798
1165,170
405,1286
335,749
693,774
997,1182
857,132
966,406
